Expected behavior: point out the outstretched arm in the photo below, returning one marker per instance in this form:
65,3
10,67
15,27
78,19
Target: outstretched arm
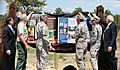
28,17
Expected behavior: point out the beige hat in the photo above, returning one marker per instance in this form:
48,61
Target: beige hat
110,17
23,16
92,18
96,17
81,16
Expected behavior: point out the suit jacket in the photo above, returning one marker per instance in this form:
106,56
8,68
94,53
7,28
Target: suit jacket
8,39
110,36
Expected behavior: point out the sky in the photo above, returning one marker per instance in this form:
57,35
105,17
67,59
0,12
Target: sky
70,5
2,7
86,5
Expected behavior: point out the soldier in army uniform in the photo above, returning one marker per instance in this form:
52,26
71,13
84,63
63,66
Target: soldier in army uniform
42,44
95,40
82,38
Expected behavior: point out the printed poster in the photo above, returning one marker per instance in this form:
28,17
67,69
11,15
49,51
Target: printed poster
66,29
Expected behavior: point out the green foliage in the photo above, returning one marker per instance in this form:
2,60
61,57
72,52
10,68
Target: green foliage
108,12
2,19
79,9
58,11
94,11
29,4
117,21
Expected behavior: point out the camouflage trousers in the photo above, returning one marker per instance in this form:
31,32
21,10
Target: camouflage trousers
94,55
42,57
81,49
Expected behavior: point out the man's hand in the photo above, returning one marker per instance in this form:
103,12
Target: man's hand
51,48
31,12
8,52
109,49
28,17
27,47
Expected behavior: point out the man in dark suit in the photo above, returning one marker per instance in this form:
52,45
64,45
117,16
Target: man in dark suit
9,45
107,60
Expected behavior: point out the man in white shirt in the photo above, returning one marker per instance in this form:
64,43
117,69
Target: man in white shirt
22,46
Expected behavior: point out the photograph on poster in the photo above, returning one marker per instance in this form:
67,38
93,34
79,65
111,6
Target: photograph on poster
66,28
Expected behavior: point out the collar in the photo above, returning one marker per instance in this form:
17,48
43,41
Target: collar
96,25
109,24
10,27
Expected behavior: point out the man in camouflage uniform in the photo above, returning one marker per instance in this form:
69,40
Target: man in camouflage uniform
82,38
42,44
95,40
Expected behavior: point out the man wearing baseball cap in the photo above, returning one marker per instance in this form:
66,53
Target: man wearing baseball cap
95,41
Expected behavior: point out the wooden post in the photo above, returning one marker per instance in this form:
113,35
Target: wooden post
56,60
100,11
12,10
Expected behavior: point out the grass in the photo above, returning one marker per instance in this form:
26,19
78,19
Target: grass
50,56
60,55
31,50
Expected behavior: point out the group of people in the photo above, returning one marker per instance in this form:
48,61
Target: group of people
101,42
19,35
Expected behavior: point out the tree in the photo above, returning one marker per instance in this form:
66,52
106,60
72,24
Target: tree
94,11
79,9
29,4
117,21
108,12
58,11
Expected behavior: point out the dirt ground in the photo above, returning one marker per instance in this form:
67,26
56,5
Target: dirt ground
63,59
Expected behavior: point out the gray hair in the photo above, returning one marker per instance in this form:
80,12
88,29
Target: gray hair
110,17
22,16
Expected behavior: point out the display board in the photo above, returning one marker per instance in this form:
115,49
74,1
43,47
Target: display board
51,23
66,29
